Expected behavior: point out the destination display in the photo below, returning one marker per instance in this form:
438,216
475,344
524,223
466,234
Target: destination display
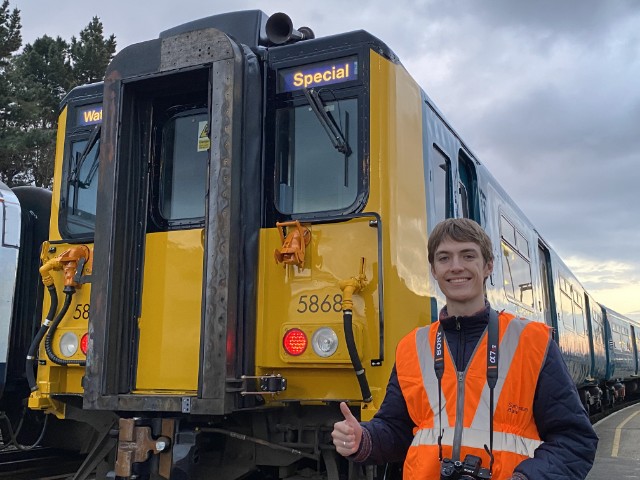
89,115
318,74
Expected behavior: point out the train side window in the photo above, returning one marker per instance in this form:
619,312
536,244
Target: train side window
467,187
441,185
567,312
572,308
516,266
578,319
313,175
507,231
183,166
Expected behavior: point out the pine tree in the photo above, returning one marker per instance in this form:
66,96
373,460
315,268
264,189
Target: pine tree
10,42
10,32
91,53
32,84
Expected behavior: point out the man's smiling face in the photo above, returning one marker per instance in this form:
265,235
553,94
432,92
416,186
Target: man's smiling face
460,271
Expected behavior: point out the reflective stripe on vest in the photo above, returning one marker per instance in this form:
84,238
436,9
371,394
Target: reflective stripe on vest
515,434
506,442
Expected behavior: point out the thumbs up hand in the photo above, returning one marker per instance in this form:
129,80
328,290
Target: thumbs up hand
347,434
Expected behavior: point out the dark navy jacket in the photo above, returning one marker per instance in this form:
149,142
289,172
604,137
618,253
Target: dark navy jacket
569,441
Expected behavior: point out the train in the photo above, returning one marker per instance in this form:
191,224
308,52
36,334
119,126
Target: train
237,241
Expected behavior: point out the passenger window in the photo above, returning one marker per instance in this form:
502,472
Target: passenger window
566,306
572,308
516,267
507,231
578,316
313,175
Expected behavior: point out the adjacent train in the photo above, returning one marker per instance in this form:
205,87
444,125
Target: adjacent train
238,241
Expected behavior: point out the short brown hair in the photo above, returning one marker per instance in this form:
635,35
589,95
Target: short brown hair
460,230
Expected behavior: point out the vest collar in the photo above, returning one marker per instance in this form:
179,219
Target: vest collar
477,321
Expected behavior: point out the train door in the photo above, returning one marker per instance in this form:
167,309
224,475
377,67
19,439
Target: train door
174,245
548,306
635,343
467,188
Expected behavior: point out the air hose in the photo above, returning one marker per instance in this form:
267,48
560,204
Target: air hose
349,287
31,354
14,434
68,291
347,317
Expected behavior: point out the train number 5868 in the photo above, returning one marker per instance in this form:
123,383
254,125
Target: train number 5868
313,304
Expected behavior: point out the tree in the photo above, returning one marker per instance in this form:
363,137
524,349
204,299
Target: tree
32,84
10,35
39,77
92,53
10,42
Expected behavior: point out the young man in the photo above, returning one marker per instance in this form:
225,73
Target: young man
531,418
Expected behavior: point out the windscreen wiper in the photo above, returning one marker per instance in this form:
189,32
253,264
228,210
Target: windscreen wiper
81,158
338,140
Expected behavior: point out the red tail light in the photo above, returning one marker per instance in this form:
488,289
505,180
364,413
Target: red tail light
84,343
295,342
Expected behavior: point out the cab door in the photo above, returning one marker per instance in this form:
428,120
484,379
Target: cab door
170,319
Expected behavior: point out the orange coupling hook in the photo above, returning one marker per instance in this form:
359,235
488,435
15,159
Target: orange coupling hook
68,262
353,285
293,245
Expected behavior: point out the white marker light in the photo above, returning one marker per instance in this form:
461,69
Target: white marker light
68,344
324,342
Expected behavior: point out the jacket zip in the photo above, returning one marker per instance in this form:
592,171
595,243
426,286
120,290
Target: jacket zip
460,375
457,433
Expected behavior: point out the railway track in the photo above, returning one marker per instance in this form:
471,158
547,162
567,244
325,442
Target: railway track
38,464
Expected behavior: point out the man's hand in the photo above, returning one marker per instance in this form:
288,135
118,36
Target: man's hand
347,434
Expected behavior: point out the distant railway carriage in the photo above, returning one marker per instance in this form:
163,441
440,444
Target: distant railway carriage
237,243
624,336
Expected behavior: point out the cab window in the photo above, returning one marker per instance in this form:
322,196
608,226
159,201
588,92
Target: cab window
80,180
313,175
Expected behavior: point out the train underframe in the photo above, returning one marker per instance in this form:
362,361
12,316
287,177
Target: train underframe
599,398
291,442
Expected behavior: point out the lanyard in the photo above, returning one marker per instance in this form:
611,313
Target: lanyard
492,375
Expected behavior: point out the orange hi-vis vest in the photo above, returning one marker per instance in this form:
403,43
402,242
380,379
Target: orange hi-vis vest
465,399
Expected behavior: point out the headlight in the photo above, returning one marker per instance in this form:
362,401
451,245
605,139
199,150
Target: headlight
324,342
68,344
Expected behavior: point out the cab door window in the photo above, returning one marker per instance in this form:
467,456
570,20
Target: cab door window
180,168
183,166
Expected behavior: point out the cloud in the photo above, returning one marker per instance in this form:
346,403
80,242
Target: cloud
614,283
545,93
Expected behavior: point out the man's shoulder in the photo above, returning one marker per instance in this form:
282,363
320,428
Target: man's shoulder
525,323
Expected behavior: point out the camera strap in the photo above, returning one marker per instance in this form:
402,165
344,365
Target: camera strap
492,376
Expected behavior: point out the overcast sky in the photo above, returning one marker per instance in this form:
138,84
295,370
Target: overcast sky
546,93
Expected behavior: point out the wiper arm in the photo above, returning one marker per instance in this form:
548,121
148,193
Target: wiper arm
81,158
327,121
